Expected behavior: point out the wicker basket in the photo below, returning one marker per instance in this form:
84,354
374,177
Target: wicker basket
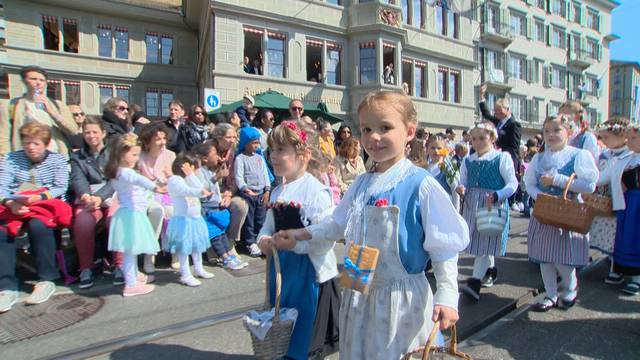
599,204
276,343
433,352
563,213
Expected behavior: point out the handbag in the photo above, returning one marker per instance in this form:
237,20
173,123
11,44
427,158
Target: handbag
490,221
562,212
431,351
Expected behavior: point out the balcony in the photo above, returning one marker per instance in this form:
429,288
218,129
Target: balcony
497,79
580,58
588,99
497,33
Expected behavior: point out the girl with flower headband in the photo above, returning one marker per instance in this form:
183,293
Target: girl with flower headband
487,179
308,268
623,177
558,251
579,135
401,213
130,231
603,229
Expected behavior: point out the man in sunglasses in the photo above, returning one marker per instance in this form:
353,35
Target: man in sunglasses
296,109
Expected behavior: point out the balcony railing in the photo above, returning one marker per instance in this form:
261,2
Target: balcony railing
498,78
497,32
580,58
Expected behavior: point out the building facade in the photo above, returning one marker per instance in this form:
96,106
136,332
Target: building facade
337,52
93,50
624,83
541,53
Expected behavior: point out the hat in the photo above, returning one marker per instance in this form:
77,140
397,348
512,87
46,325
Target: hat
247,135
250,98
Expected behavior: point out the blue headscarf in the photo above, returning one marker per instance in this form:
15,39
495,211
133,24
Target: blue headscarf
247,135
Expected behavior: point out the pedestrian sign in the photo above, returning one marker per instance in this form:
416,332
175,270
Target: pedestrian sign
211,100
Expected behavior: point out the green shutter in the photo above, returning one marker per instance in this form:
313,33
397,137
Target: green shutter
569,11
529,26
598,118
583,16
549,6
548,33
599,50
599,23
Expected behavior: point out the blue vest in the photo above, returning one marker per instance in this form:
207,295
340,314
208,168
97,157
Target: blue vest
566,170
484,174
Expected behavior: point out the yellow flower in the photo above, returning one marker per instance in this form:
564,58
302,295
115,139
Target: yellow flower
442,152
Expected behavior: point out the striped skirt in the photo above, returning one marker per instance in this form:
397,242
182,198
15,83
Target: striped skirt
481,245
549,244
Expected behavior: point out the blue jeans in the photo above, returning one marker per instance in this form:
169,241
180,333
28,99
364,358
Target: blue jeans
255,218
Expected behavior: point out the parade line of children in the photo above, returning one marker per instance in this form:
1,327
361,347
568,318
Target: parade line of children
403,211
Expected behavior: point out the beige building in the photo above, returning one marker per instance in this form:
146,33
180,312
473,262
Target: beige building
623,89
337,51
93,50
540,53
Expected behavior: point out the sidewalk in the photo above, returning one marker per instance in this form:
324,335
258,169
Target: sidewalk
604,324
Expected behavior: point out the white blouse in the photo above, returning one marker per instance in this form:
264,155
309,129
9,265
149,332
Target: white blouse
185,193
507,171
548,163
133,189
612,175
317,204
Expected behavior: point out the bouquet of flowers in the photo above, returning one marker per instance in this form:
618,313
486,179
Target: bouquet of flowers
450,168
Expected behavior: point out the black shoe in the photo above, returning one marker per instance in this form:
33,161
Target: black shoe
545,305
566,304
490,277
472,289
86,279
614,278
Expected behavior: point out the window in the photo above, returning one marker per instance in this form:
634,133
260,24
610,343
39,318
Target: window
334,64
592,48
518,24
407,79
542,4
152,103
517,67
275,54
104,41
123,92
54,89
593,20
558,8
558,38
50,33
536,71
416,19
577,13
420,71
446,22
122,43
593,85
106,93
159,48
70,35
314,60
539,31
166,96
617,79
448,84
367,63
253,63
334,2
388,60
4,84
404,4
72,92
617,94
518,106
558,77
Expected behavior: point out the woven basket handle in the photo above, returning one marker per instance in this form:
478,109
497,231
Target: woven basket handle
566,188
276,263
453,341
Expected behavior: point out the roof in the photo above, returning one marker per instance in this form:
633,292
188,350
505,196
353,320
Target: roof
618,63
167,5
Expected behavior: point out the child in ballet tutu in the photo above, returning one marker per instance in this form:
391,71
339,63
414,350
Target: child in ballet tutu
558,251
130,231
308,269
400,212
487,179
623,177
603,229
187,232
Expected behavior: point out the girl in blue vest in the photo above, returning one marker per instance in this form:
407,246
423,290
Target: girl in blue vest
579,134
402,211
487,179
558,251
308,269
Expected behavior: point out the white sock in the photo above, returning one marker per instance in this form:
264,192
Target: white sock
550,280
611,267
185,270
569,281
130,269
480,266
636,279
197,262
492,261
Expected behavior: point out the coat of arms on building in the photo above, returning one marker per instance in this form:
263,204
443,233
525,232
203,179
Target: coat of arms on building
390,17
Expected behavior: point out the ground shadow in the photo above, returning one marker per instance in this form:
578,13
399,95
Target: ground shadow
171,352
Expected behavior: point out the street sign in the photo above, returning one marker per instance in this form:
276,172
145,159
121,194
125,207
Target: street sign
211,100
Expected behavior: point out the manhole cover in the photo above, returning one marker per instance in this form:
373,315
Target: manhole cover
27,321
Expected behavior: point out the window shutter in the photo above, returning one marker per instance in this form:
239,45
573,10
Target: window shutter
549,6
567,9
548,31
599,51
529,27
583,16
548,109
599,23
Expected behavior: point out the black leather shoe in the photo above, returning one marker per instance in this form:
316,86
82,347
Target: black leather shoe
567,304
472,289
545,305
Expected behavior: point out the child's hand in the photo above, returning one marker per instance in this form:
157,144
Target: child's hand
489,200
265,199
222,172
250,192
546,180
460,190
285,239
206,193
160,189
187,169
447,316
266,244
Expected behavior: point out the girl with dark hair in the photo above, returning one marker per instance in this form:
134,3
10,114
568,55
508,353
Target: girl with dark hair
344,132
194,132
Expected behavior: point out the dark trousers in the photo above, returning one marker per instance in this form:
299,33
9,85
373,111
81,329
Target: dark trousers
220,244
255,218
43,246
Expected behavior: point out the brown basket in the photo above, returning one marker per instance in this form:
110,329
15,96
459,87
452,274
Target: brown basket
599,204
563,213
276,343
431,351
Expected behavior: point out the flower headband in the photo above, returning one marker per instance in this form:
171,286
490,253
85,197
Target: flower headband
296,129
615,128
486,127
130,140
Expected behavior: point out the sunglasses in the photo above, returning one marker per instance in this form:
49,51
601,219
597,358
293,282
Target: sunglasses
199,113
122,108
78,114
295,108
